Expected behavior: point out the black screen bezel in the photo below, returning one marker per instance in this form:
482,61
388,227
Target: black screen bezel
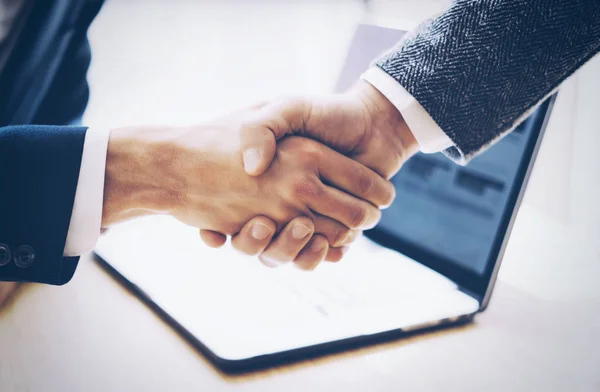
471,282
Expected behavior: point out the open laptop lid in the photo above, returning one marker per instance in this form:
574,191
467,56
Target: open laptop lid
455,220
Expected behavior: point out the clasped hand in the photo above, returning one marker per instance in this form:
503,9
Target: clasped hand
301,198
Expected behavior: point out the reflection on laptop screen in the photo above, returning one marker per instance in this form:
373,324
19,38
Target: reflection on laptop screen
453,211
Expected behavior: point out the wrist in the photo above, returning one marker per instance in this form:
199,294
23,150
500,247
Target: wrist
382,114
138,180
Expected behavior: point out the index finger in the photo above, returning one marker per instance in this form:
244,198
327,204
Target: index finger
354,178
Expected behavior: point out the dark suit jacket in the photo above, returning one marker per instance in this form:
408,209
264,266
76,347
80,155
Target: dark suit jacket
43,82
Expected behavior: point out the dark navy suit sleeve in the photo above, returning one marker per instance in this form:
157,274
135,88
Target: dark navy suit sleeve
39,169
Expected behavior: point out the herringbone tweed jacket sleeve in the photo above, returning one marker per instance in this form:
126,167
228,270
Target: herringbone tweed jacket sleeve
483,65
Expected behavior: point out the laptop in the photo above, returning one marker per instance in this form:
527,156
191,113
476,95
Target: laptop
432,260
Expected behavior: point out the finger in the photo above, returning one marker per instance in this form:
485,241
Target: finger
214,239
335,254
340,206
254,236
312,254
358,180
290,241
258,148
336,233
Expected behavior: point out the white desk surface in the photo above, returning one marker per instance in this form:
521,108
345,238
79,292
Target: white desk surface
189,61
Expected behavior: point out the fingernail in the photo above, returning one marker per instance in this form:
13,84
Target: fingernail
251,159
344,249
260,231
317,246
300,231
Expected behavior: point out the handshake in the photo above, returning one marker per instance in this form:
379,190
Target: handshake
293,180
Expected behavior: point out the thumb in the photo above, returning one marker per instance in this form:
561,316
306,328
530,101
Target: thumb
270,123
258,148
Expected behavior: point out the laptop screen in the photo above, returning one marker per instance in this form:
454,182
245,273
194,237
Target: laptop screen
456,212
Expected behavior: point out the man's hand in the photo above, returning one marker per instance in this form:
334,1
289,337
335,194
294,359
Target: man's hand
362,124
195,174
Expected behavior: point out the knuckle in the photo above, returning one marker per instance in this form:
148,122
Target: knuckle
357,216
308,188
303,153
366,182
303,147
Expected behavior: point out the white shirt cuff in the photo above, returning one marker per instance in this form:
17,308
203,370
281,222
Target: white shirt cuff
428,134
86,218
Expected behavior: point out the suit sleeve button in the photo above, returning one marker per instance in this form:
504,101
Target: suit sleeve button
24,256
4,255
